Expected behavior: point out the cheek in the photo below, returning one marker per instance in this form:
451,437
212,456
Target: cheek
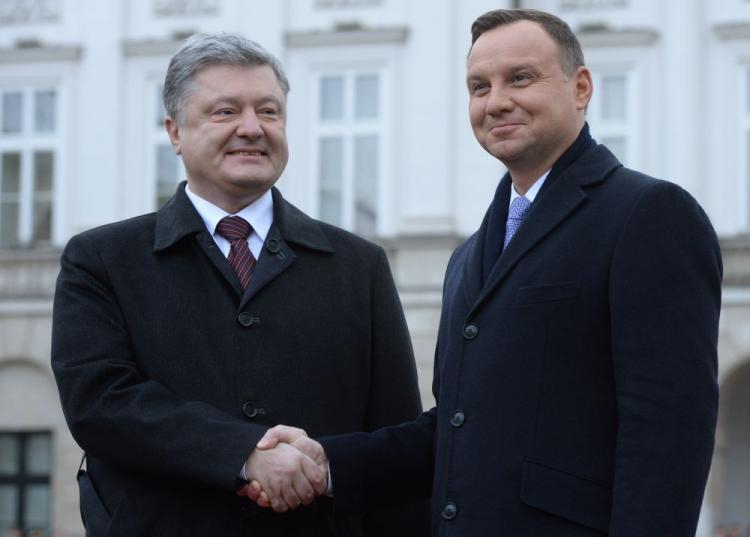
476,115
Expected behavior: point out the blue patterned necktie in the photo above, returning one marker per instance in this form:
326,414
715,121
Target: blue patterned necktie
519,208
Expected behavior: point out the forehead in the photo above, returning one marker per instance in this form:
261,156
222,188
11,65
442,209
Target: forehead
523,42
235,80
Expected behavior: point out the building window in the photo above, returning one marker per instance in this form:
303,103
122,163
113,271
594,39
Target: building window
610,113
349,134
29,143
166,165
25,465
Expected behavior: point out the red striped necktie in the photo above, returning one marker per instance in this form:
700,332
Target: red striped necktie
236,230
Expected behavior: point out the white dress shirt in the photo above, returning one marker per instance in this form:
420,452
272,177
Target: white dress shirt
259,214
532,192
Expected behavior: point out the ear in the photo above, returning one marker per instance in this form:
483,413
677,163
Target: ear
173,130
584,87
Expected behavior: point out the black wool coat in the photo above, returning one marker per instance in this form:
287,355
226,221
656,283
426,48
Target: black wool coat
169,373
576,387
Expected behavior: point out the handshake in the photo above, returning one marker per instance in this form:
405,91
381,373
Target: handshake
285,470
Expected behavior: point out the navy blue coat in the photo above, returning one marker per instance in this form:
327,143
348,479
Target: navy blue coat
577,388
169,374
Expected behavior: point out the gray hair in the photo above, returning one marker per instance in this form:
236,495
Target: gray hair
571,55
205,50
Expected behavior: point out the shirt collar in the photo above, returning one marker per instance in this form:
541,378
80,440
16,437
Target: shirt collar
259,214
532,192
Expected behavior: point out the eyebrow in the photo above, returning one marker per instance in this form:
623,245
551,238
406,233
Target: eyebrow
237,102
514,68
524,67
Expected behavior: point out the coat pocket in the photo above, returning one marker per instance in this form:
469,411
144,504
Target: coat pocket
94,515
568,496
553,292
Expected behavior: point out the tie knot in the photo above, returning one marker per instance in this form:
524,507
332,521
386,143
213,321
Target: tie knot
518,208
234,228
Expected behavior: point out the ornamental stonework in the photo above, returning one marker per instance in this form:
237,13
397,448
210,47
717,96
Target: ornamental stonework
185,8
29,11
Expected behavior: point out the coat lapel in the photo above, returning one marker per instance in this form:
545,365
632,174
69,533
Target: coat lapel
290,226
474,266
553,207
177,220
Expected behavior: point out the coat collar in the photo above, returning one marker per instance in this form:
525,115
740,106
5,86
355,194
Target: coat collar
554,205
178,219
296,227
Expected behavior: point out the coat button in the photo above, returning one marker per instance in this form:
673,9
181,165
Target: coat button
458,418
249,410
470,331
273,246
246,319
450,511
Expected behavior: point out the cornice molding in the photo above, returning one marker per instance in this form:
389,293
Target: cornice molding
44,53
327,38
604,37
150,47
732,30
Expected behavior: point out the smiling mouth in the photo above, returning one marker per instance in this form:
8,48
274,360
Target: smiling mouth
248,153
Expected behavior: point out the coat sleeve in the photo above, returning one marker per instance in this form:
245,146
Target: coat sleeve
114,411
665,294
393,464
394,395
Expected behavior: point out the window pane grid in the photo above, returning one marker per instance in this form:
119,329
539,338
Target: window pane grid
28,131
25,496
348,152
609,113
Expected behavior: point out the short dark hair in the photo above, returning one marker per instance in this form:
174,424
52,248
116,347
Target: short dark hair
206,50
571,54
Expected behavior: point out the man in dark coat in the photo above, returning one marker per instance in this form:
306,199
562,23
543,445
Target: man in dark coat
576,360
179,337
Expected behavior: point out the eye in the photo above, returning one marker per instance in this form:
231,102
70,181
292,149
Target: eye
478,87
520,79
223,112
269,112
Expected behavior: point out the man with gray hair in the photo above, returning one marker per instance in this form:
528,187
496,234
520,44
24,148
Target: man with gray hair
181,336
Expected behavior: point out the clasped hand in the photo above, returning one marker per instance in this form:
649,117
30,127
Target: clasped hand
285,470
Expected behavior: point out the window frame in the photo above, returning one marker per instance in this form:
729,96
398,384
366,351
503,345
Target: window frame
157,136
27,143
626,128
22,479
348,129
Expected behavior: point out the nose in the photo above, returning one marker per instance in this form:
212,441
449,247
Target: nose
249,126
499,101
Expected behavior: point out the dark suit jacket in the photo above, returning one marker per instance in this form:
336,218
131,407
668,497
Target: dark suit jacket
169,374
576,388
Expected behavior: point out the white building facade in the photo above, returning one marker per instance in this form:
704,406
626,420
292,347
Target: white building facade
380,144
